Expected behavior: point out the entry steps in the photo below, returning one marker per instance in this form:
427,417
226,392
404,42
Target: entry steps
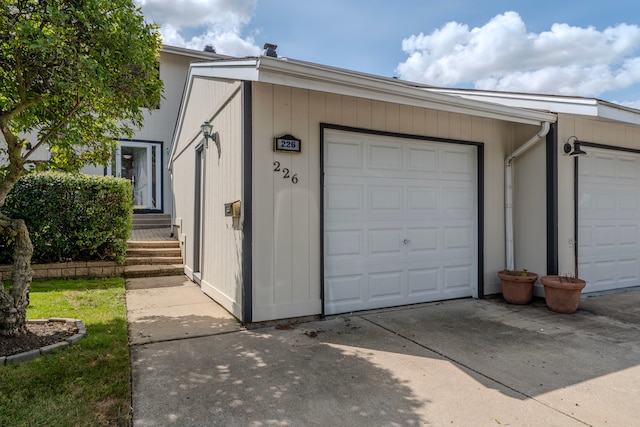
153,258
148,221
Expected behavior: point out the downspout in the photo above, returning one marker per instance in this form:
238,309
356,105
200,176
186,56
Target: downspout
508,190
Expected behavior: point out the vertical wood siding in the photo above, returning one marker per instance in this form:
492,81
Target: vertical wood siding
221,273
287,217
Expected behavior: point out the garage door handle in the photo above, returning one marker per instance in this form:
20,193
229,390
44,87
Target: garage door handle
406,241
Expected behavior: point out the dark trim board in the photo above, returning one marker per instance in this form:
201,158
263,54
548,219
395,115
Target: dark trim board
322,174
552,200
480,192
608,147
247,203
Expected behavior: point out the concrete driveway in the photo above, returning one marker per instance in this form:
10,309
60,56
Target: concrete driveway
463,363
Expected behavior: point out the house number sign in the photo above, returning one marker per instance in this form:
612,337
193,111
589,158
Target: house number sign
288,143
286,173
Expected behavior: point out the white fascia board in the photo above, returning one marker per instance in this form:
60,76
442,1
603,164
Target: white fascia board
618,113
581,106
589,107
333,80
246,70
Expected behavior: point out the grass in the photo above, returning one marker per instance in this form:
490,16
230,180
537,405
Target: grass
86,384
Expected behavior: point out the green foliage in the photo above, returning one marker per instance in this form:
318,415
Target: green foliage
72,217
86,384
76,73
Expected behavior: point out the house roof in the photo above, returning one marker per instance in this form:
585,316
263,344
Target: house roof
198,54
306,75
590,107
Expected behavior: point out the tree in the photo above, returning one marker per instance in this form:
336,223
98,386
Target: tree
76,73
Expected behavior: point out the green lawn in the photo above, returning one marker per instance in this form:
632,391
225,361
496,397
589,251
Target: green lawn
86,384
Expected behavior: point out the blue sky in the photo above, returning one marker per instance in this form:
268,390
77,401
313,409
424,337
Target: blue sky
584,48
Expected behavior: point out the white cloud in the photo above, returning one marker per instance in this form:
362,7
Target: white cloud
502,55
197,23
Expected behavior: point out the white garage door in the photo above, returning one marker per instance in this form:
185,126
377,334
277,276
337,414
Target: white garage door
609,219
400,221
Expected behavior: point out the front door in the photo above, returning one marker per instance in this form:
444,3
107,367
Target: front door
140,163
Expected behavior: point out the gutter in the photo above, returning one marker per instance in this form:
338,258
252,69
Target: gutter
508,190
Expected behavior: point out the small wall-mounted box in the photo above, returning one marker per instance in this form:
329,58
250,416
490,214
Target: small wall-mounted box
232,209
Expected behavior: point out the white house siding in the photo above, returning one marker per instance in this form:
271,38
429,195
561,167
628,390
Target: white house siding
286,216
221,257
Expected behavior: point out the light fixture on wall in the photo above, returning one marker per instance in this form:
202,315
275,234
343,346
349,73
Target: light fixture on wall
207,128
574,149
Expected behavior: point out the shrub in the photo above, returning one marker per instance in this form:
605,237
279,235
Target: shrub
72,217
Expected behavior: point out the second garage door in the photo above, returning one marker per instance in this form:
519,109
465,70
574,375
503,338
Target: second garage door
400,221
609,219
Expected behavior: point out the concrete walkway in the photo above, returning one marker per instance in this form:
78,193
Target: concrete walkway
463,363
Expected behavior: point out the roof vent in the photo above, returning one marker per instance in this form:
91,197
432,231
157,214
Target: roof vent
209,48
270,50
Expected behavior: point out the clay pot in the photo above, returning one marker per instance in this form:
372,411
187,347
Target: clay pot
562,294
516,288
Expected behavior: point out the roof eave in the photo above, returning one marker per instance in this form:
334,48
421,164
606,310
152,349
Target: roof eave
590,107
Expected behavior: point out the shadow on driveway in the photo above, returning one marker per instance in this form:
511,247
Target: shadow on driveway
465,362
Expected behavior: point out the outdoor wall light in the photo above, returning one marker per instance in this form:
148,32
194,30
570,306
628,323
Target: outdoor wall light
207,129
573,150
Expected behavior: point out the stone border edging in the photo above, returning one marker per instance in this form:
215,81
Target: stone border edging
67,270
32,354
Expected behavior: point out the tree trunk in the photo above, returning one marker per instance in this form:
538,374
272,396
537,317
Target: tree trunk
13,304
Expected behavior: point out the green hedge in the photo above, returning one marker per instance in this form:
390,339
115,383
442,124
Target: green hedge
72,217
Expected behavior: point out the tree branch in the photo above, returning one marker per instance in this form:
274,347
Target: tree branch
58,126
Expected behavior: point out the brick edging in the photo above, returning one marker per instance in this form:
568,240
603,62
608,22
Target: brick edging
67,270
32,354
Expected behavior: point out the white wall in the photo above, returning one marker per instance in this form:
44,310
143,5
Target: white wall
221,256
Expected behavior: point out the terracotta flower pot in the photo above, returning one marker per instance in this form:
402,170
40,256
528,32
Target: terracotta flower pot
516,288
562,294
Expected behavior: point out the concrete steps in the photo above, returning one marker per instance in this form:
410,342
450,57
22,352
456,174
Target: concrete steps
153,258
148,221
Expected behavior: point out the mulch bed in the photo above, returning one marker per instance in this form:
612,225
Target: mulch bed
38,335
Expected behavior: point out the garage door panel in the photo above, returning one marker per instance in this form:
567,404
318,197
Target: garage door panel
628,235
422,199
628,270
385,242
416,211
345,289
343,198
385,157
424,281
456,238
422,240
385,285
627,168
386,198
344,154
422,160
344,243
608,220
457,163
